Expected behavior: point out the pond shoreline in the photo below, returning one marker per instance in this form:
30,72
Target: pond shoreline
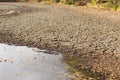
89,34
67,50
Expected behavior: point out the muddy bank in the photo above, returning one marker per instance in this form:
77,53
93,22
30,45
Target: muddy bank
91,35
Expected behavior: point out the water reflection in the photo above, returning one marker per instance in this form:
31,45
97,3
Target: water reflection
23,63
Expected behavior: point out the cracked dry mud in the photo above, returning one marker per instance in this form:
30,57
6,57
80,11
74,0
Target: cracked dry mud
91,34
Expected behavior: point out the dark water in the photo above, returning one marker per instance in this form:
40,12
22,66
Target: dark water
23,63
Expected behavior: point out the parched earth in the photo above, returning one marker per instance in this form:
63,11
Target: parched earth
92,35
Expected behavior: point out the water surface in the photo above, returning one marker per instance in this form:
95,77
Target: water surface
23,63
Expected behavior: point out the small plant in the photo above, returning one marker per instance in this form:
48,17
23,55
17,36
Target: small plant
69,2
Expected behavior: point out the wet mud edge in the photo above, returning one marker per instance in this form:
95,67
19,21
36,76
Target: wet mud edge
89,61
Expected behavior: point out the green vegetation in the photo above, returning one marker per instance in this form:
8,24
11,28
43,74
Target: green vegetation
68,2
112,4
106,4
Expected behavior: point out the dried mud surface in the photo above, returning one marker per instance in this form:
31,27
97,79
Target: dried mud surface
90,34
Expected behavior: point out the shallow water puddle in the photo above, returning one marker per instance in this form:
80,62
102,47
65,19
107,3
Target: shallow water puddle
23,63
